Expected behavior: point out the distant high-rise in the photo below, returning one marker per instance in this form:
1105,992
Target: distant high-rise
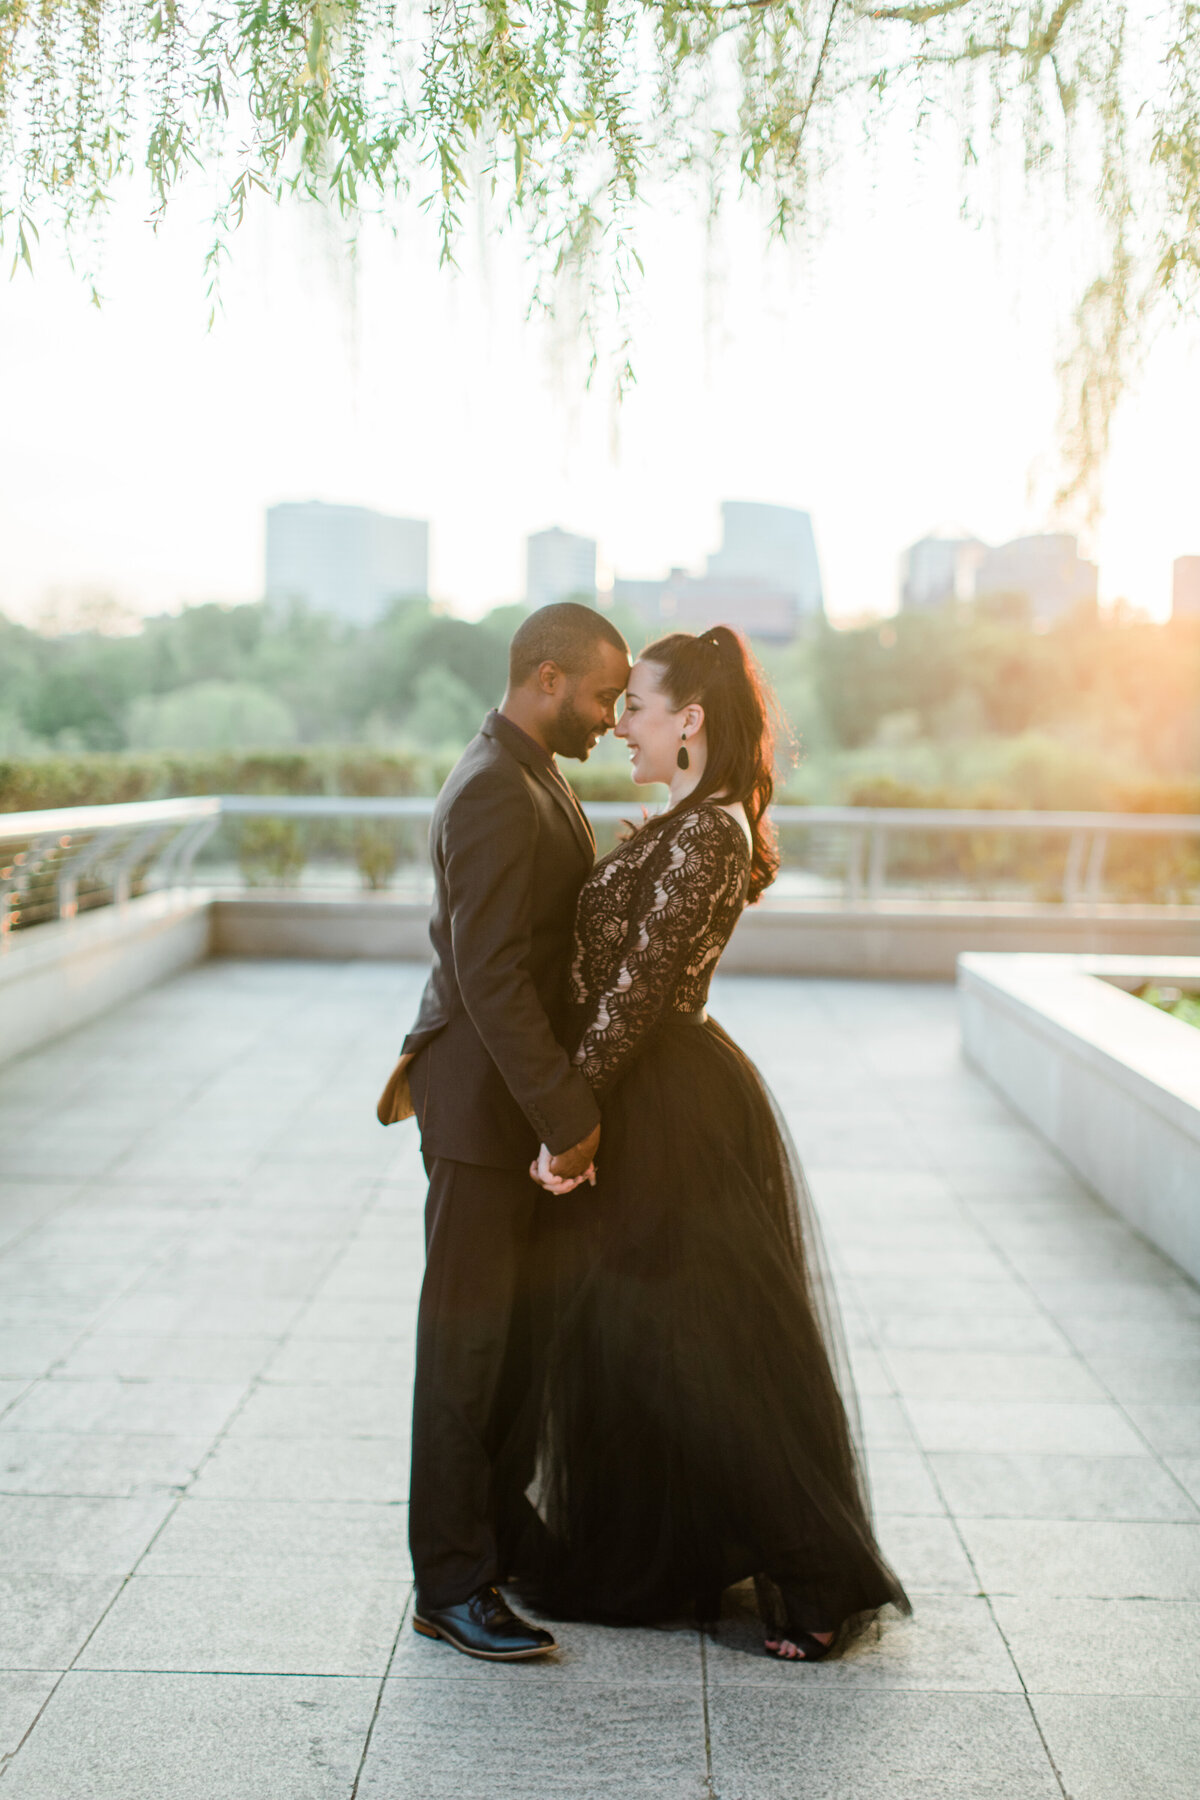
770,544
1047,571
765,579
345,560
938,570
686,602
559,566
1185,588
1045,574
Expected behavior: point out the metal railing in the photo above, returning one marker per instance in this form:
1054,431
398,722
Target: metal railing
52,863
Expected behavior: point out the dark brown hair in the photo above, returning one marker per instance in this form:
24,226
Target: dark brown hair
717,671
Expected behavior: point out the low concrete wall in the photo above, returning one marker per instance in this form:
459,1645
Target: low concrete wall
782,939
348,926
1111,1083
891,941
56,977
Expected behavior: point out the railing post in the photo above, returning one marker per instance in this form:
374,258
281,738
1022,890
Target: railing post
193,842
854,864
1094,880
1073,873
877,868
142,843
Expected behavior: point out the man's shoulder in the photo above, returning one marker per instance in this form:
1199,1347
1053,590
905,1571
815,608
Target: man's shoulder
486,773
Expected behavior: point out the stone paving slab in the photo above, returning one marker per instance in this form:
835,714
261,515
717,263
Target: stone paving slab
208,1274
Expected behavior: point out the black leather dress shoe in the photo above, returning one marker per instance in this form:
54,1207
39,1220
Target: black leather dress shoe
484,1626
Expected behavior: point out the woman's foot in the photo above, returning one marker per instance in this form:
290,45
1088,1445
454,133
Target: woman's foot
806,1646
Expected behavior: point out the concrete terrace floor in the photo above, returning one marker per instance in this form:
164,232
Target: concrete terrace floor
209,1258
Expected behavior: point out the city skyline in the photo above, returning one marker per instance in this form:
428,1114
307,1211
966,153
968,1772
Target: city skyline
384,383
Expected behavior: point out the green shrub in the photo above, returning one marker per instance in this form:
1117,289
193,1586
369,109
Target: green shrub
271,852
34,784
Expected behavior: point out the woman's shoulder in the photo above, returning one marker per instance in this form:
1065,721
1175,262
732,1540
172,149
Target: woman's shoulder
711,825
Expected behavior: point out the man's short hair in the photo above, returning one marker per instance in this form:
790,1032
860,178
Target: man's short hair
567,634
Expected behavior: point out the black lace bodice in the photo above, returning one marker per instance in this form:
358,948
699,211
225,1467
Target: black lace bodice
654,916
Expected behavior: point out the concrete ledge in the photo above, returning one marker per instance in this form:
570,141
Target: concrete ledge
782,938
372,926
1110,1082
56,977
891,939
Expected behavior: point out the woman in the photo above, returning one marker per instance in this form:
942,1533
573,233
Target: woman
692,1430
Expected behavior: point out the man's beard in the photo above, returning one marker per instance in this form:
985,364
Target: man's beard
572,733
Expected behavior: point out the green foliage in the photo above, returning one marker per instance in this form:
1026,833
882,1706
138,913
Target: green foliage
230,676
1183,1006
210,715
561,110
445,712
979,711
34,784
378,846
271,852
1096,693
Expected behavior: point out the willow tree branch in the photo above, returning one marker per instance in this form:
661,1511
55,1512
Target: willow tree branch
817,72
917,15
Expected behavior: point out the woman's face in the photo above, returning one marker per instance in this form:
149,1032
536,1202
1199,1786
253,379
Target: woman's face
652,728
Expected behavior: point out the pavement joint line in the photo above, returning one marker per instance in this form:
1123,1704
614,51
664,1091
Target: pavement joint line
980,1221
981,1591
78,1666
30,1382
1080,1357
364,1206
362,1761
710,1790
180,1494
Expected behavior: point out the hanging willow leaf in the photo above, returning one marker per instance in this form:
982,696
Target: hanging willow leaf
563,107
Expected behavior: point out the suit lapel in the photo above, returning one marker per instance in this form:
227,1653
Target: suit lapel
547,774
557,784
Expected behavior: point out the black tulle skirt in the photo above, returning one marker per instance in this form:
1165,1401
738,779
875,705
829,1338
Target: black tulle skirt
696,1424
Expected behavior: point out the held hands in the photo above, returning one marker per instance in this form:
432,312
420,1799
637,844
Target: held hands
540,1171
563,1173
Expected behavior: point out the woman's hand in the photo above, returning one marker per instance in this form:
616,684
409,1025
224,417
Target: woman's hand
541,1172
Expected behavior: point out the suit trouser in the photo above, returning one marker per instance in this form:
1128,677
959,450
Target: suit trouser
478,1336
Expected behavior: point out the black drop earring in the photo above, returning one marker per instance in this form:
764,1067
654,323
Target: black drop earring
683,760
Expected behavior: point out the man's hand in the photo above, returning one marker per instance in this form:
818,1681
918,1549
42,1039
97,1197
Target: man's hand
539,1171
573,1163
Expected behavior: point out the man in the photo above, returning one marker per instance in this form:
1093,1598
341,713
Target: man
491,1082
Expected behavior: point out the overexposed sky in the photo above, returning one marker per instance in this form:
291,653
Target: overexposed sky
894,376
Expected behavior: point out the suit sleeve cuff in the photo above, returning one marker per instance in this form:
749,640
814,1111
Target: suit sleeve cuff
576,1115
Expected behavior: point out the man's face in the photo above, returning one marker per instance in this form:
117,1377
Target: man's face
588,707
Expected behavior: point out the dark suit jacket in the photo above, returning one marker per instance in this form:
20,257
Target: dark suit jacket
510,852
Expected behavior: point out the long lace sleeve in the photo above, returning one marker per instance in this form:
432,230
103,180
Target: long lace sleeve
691,880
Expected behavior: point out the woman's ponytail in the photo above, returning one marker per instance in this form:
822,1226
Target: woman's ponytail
718,671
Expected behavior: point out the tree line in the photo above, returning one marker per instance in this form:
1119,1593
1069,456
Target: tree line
958,703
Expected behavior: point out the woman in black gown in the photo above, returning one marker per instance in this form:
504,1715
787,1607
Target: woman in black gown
692,1429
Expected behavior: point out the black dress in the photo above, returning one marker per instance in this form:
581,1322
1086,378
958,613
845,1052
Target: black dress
692,1431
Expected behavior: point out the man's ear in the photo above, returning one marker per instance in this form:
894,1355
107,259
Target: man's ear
549,677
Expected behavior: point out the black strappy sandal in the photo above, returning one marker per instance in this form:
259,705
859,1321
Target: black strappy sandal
811,1648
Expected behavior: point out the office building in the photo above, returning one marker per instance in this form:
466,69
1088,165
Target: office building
1046,572
1185,588
1043,575
764,580
686,602
938,570
559,566
771,545
345,560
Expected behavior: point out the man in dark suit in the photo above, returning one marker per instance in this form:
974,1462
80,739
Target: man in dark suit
491,1083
